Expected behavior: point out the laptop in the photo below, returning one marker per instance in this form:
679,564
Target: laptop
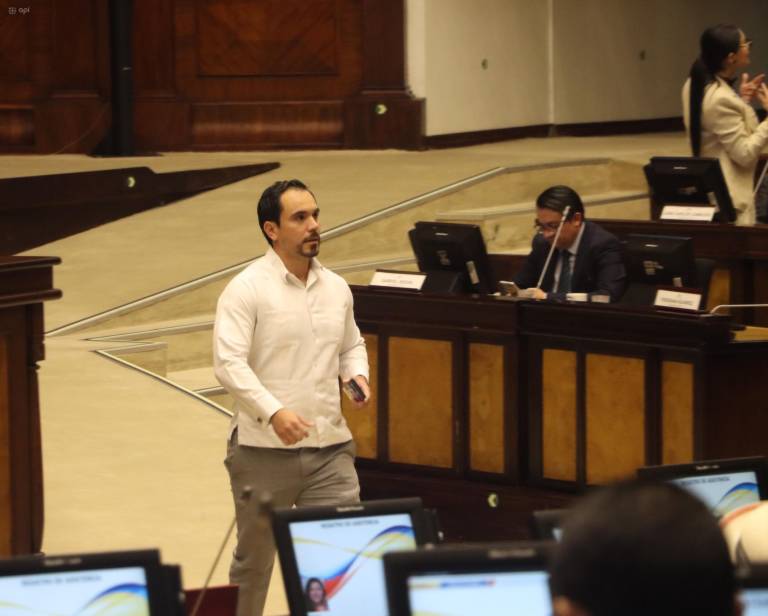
132,582
724,485
468,580
331,557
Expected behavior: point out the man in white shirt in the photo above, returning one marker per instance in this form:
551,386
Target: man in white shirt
284,334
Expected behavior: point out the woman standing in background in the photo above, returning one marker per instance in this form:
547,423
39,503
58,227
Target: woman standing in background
720,122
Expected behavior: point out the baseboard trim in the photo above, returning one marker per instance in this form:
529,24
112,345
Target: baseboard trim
457,140
587,129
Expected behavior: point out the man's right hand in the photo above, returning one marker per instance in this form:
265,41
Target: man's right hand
290,427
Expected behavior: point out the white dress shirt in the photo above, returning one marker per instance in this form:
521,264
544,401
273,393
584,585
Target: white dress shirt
278,343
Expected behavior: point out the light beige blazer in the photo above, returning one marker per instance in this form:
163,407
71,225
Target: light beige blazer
731,133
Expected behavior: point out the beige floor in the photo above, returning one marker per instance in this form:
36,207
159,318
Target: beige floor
131,462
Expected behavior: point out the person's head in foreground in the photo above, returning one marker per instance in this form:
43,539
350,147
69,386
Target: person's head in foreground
639,548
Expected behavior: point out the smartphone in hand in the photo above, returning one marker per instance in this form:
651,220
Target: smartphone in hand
353,390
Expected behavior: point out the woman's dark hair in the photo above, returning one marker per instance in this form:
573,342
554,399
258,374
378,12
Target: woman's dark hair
715,44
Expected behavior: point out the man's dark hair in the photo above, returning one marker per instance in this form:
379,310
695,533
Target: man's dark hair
640,548
269,207
556,198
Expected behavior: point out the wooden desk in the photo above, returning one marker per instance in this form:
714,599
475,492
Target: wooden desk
495,391
740,253
25,282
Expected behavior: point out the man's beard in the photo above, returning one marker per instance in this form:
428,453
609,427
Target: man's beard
310,247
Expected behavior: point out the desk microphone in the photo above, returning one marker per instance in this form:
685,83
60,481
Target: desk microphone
245,496
566,211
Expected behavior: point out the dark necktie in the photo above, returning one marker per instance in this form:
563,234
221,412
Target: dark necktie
564,283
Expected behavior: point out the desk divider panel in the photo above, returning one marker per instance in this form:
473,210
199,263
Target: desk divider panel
486,408
420,395
559,407
6,504
719,288
677,412
364,422
615,417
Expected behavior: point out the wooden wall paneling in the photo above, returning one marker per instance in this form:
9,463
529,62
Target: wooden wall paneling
16,54
267,38
267,124
615,417
153,49
559,408
487,427
161,124
17,127
677,419
420,401
364,422
384,45
6,506
75,47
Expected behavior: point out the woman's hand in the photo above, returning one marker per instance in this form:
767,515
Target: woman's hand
749,87
762,96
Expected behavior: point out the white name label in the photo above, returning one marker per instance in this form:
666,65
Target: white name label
683,300
698,213
398,280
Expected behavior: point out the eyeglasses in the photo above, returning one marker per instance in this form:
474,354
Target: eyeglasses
747,43
545,226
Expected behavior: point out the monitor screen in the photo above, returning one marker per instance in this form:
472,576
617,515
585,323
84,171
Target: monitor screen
489,593
469,579
755,601
332,557
458,249
724,485
690,180
119,584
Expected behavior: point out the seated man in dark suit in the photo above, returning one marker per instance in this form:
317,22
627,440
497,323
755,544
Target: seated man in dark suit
587,258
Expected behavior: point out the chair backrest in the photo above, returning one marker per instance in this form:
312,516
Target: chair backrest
704,269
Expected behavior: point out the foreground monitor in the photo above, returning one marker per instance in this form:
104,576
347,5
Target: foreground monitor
690,180
753,585
724,485
469,580
119,583
331,557
453,256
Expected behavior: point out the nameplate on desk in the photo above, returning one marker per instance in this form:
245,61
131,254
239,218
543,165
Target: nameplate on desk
398,280
695,213
681,300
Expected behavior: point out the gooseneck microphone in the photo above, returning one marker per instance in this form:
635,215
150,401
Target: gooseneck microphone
245,496
566,211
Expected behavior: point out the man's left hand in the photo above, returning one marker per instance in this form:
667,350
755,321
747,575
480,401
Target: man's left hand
363,383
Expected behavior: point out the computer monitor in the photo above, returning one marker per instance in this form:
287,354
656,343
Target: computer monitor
116,582
753,587
547,524
470,580
331,557
689,180
453,256
724,485
654,261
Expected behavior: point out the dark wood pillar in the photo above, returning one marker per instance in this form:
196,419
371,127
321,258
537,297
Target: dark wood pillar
384,114
25,283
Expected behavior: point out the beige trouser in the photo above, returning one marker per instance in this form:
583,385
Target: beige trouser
302,477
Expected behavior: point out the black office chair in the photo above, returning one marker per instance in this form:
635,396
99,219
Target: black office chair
704,269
